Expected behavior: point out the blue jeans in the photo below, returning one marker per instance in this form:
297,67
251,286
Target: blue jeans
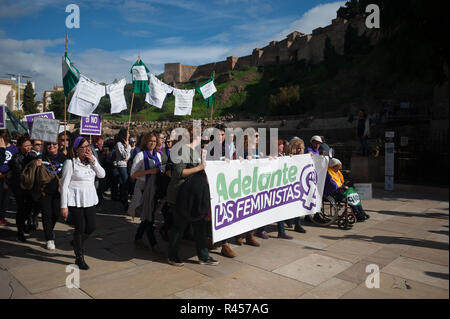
364,146
121,178
177,230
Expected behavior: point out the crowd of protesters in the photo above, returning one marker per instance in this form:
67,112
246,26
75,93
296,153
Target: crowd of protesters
71,179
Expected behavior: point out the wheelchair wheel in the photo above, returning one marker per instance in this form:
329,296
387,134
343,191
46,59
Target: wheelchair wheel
351,218
328,214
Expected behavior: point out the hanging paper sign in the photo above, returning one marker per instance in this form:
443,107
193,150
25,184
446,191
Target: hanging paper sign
29,118
158,92
2,117
139,73
91,125
45,129
88,91
208,89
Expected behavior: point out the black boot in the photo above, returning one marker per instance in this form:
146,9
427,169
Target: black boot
79,254
21,236
360,217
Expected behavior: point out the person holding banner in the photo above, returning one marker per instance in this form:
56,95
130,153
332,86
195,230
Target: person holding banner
315,145
145,169
53,160
122,155
296,147
249,146
166,168
23,197
186,167
78,194
336,187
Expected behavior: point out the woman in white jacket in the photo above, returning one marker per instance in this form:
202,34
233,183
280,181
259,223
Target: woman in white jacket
78,194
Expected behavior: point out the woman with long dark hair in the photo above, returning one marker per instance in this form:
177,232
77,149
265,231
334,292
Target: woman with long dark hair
50,203
146,166
78,194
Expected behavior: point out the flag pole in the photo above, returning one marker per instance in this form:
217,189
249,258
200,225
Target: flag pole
65,107
212,106
131,106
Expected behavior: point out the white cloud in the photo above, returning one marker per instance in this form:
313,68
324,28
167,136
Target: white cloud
184,54
318,16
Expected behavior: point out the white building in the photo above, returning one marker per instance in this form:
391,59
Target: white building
8,93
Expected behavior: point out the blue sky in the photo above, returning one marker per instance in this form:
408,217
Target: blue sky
113,32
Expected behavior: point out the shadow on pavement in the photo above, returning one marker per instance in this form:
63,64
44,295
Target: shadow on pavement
393,240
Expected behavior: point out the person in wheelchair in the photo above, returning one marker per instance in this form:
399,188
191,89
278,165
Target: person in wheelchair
340,190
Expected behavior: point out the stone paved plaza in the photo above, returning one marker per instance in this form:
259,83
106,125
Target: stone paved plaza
407,236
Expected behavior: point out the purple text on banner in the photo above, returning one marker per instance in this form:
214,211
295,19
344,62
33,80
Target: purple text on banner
30,117
91,125
2,117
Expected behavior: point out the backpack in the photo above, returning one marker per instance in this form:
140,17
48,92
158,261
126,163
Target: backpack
27,176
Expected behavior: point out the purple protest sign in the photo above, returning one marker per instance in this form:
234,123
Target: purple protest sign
91,125
29,118
2,117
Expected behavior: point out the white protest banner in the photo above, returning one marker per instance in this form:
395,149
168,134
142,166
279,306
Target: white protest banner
208,89
45,129
250,194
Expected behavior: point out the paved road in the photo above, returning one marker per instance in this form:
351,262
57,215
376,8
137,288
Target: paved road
407,237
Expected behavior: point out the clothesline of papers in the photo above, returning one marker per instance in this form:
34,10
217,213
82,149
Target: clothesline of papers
88,93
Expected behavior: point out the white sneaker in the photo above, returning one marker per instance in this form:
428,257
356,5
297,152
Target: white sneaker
51,245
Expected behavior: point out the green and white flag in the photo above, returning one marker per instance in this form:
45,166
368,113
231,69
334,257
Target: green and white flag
208,92
140,78
70,74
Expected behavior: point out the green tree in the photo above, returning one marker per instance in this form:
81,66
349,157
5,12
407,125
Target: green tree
57,104
29,105
331,59
355,44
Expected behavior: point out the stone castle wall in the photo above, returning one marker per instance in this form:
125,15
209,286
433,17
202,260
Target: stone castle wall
295,47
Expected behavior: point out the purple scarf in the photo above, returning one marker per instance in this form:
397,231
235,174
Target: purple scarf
155,159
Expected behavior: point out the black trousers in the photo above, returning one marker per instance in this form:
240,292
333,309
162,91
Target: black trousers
24,204
84,220
50,205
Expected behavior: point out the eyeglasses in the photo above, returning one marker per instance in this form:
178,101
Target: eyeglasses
63,139
37,144
83,147
52,144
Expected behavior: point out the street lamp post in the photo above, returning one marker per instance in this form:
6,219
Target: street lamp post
18,85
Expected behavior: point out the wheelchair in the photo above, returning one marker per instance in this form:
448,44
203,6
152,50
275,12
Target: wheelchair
335,209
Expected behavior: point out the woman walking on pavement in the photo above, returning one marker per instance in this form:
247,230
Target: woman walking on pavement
146,166
78,194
